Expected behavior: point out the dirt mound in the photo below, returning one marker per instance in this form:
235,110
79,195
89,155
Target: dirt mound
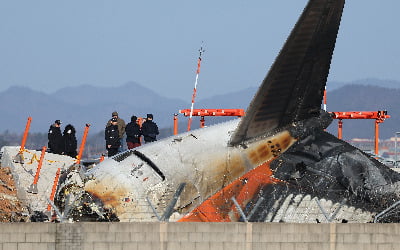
11,209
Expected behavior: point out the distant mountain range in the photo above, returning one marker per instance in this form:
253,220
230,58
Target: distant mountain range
83,104
94,105
391,84
356,97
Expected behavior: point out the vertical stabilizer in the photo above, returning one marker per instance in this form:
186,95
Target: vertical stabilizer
294,86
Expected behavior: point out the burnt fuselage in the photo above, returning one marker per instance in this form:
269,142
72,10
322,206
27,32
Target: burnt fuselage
136,184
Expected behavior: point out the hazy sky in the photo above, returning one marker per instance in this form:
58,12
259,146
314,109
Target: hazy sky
47,44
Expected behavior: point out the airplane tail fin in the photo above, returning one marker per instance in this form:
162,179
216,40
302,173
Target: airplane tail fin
293,88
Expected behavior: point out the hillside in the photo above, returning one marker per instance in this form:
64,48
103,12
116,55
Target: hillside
94,105
365,98
81,105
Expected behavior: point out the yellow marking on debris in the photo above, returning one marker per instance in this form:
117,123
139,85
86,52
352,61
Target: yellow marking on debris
269,148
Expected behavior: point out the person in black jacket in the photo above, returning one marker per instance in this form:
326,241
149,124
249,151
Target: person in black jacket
149,129
70,142
133,133
112,138
55,138
121,129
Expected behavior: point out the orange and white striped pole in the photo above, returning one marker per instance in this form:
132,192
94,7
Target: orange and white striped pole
195,87
325,98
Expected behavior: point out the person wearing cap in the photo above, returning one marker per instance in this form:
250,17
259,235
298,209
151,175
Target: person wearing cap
149,129
121,129
133,133
55,138
112,137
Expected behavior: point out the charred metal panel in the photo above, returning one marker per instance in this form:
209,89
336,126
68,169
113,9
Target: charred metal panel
322,167
289,204
293,88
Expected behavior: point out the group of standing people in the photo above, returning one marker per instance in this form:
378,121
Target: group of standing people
62,143
66,144
116,129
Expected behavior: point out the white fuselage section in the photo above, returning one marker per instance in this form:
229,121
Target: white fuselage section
200,158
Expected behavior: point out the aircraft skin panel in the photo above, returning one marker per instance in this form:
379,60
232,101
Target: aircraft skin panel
293,88
191,158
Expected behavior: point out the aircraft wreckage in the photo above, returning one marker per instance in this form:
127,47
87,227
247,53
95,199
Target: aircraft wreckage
274,164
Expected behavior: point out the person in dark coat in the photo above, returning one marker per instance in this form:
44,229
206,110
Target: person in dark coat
70,142
112,138
149,129
55,138
133,133
121,129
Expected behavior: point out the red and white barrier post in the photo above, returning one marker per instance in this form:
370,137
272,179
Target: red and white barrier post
195,87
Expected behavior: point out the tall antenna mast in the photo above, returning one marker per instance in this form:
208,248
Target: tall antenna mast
201,51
